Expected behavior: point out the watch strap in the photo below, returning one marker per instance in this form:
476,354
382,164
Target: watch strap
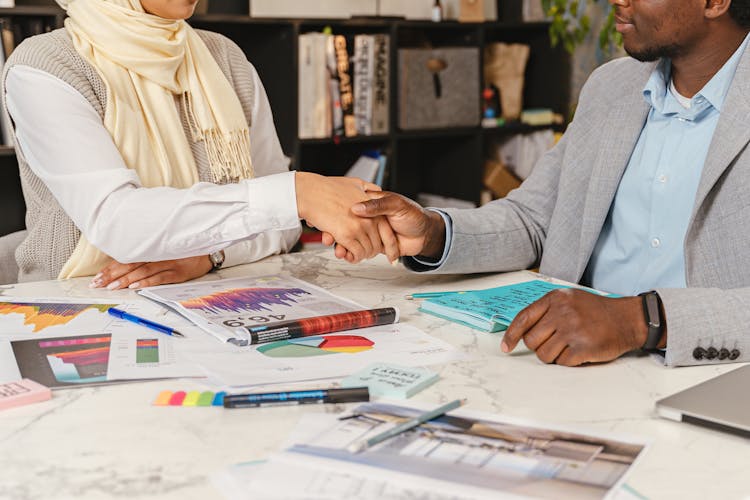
652,308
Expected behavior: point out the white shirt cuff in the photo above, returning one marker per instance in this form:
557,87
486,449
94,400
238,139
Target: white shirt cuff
278,195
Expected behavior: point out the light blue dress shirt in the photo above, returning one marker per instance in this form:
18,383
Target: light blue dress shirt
641,247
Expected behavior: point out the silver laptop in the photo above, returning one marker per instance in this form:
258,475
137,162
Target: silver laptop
719,403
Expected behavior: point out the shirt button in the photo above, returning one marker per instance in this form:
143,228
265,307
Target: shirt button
663,179
655,243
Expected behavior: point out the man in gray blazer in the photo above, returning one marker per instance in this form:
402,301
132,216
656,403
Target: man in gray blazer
648,191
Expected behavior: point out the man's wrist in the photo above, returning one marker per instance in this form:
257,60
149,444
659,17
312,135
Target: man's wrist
434,242
639,333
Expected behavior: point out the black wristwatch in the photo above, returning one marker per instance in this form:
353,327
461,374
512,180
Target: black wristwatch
653,317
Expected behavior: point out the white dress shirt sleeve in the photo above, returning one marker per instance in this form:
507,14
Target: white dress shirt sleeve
68,148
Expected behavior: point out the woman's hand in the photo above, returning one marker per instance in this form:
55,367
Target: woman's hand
325,203
117,276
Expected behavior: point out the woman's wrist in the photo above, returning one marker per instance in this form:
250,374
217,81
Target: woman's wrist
302,188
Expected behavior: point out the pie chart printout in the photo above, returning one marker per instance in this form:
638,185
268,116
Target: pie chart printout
324,345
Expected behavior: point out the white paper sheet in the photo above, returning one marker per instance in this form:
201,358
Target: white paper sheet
144,354
8,367
283,362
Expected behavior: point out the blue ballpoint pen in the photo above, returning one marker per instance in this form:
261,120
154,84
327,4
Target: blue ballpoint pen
118,313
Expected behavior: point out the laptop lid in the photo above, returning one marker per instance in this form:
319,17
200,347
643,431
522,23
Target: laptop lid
719,403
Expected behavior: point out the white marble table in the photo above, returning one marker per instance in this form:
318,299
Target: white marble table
108,442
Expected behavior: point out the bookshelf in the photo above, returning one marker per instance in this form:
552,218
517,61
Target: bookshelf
447,162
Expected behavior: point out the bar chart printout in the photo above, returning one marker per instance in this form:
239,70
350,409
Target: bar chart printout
147,351
64,361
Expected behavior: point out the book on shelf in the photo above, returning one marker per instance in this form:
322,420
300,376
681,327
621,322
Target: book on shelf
314,87
346,85
370,167
364,70
381,86
491,310
337,113
351,76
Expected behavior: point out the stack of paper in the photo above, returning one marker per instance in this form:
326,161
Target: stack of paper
490,310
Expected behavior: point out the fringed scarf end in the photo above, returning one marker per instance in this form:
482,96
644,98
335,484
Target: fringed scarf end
229,155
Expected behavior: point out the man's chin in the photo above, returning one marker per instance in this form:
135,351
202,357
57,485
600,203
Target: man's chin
650,54
644,55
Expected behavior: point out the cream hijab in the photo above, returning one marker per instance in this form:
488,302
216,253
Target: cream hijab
146,62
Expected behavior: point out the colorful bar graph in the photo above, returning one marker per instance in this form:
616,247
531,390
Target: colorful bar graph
191,398
74,341
147,351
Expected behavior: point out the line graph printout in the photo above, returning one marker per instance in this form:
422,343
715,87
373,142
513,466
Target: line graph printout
222,307
53,317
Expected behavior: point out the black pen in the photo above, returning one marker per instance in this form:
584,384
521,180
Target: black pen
349,395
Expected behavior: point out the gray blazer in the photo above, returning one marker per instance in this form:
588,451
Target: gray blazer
554,219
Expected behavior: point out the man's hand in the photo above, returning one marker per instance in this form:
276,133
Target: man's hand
116,276
418,231
572,327
325,203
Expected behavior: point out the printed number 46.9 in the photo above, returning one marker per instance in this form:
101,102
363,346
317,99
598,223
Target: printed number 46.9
238,322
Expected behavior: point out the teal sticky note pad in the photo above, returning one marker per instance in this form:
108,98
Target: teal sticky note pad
392,381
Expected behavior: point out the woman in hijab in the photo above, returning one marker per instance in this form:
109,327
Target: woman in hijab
148,153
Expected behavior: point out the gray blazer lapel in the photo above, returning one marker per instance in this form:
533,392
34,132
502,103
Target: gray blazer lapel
622,128
732,132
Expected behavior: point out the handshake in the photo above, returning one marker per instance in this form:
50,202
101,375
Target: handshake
364,221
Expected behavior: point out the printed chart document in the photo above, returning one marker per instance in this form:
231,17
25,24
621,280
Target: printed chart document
23,317
222,307
145,354
76,343
461,455
324,356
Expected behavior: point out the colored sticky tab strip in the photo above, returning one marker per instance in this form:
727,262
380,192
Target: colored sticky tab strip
205,399
219,399
163,398
191,399
177,398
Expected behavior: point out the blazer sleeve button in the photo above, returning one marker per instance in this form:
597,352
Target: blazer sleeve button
734,354
723,353
699,353
711,353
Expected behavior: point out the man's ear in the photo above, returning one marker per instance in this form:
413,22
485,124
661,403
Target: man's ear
717,8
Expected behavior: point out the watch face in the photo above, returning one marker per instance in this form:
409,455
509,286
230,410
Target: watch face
217,259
